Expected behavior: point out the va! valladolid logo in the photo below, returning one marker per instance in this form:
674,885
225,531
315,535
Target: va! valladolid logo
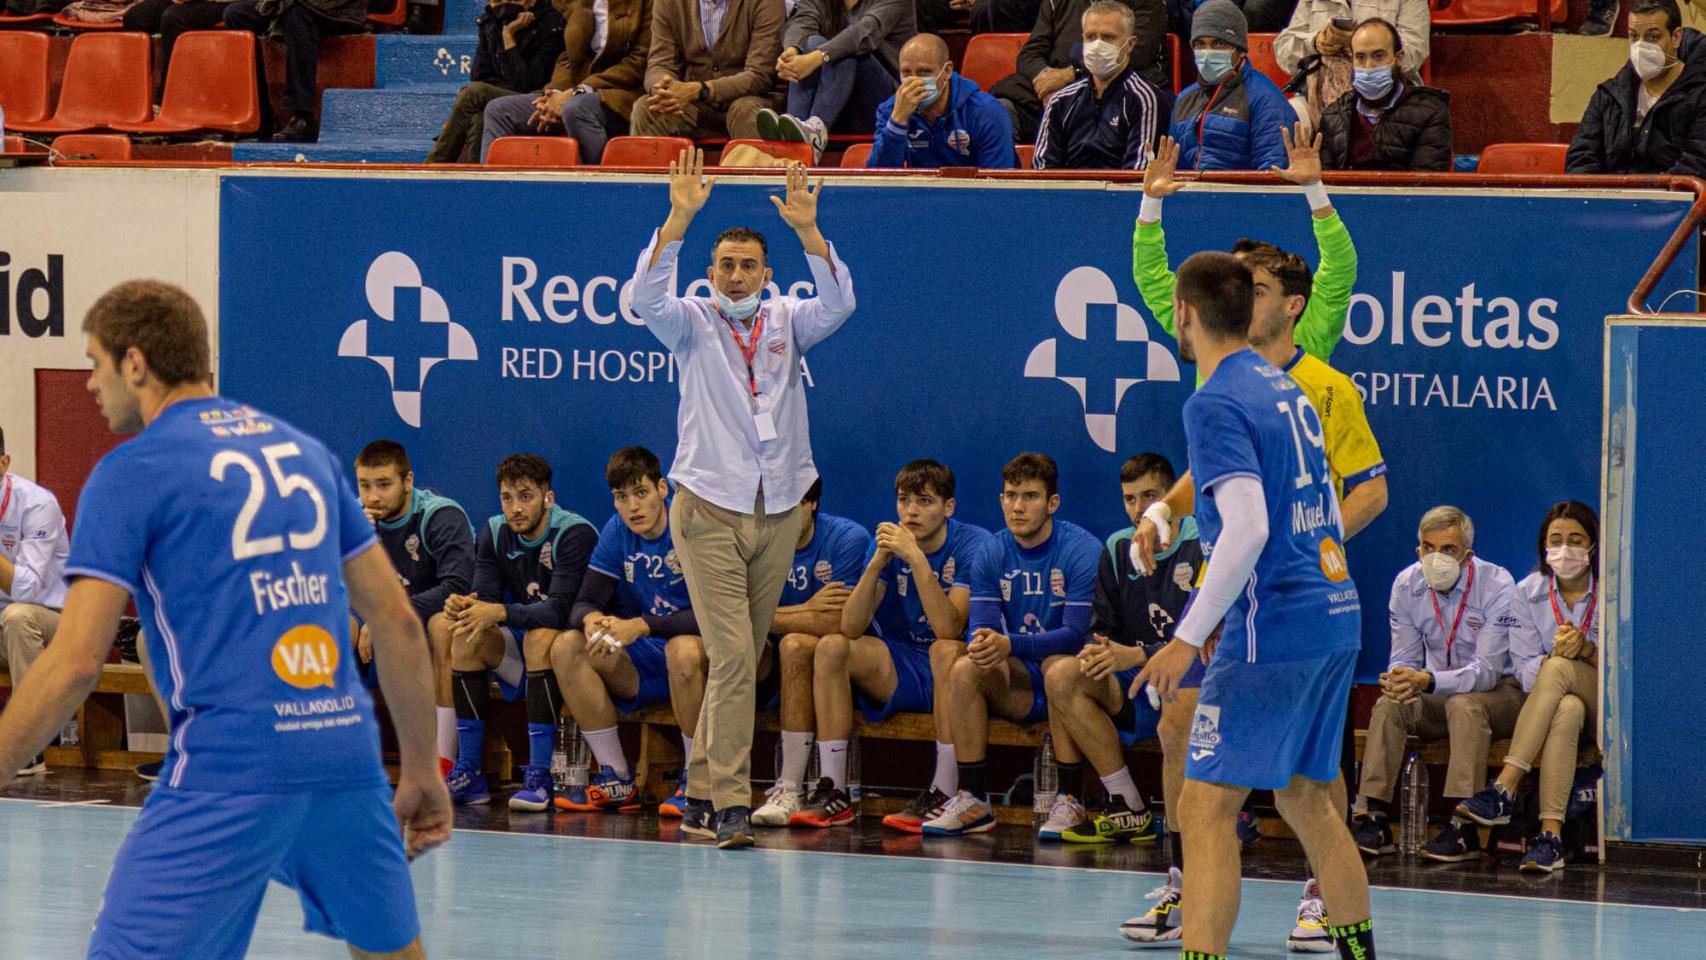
1101,372
412,334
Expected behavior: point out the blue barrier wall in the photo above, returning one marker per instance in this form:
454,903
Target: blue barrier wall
991,320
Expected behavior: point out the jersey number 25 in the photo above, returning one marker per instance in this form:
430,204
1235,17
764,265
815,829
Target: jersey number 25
242,546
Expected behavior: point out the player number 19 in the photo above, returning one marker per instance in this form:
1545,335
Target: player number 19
1301,411
242,546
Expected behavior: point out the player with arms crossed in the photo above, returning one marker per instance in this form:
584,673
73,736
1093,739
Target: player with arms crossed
1274,696
236,534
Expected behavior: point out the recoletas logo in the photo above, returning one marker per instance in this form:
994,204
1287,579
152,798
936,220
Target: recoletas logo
413,332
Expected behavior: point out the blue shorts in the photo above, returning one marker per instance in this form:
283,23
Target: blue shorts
1138,720
189,878
652,664
914,687
1039,694
1258,725
511,671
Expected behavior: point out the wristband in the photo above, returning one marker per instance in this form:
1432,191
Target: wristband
1162,516
1149,211
1316,194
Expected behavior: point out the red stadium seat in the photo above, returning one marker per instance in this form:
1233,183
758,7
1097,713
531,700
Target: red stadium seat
534,152
61,20
856,156
1477,13
24,19
106,83
643,151
1262,58
18,145
394,18
24,87
210,86
991,57
1176,57
1027,156
1523,158
780,149
92,146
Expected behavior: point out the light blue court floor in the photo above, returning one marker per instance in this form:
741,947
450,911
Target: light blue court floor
504,896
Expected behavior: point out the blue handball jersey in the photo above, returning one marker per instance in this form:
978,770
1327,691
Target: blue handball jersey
647,573
901,614
1252,420
230,528
838,551
1035,585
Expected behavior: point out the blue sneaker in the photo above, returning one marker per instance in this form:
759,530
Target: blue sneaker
535,793
734,828
675,806
1248,831
467,786
699,819
606,793
1491,807
1545,855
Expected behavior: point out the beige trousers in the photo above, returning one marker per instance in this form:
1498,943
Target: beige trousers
735,564
1470,720
1565,695
737,119
25,630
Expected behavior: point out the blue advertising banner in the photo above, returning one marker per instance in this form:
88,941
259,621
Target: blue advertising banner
474,318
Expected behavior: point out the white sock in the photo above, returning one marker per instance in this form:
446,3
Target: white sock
447,733
832,761
606,747
796,753
1119,785
947,777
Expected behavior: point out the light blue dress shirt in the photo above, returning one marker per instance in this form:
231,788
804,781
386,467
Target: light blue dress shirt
32,536
1531,637
1480,655
711,13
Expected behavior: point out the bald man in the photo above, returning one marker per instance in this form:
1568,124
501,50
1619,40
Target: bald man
938,118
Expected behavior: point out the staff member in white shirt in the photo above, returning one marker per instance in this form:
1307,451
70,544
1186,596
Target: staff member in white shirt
33,547
743,460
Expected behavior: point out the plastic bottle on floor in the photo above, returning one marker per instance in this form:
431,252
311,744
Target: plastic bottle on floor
1045,782
1413,820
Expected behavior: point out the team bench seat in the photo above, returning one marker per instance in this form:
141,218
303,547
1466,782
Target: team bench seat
100,722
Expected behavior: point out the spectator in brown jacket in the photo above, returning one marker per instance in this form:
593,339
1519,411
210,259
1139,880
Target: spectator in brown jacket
712,67
595,85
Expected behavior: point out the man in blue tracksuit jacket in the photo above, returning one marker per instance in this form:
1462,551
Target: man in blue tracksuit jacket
1231,118
938,118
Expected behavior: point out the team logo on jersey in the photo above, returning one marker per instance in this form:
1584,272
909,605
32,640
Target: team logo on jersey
901,581
1333,565
673,562
823,571
628,570
947,576
547,556
1006,590
1184,578
778,346
413,332
1057,583
1205,731
306,657
9,543
413,546
1098,370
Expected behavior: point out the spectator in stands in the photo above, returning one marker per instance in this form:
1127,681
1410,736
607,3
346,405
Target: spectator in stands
592,91
1651,116
1557,660
1134,615
1051,57
711,67
1601,19
1031,596
520,41
1449,676
431,544
1386,122
1318,41
1232,117
171,19
938,118
633,639
839,60
33,548
302,23
1110,119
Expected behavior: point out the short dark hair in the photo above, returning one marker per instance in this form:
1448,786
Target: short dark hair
1397,39
1032,466
742,234
925,476
2,441
814,493
1219,287
631,465
384,453
1291,270
525,466
1673,13
1582,514
1144,464
159,319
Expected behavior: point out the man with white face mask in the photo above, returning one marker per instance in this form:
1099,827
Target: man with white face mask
1651,116
1110,119
1450,676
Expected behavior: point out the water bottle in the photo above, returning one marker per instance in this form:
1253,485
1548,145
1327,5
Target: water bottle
1045,781
68,736
1414,818
560,758
579,756
855,790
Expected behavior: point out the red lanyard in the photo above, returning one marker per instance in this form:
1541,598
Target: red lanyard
748,350
1462,605
1202,118
6,501
1557,612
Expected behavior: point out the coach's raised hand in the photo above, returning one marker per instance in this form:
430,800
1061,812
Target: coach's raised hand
799,210
689,188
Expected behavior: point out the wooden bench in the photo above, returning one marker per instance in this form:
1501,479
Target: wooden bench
100,722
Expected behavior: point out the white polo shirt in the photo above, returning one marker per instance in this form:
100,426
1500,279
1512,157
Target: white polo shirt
32,536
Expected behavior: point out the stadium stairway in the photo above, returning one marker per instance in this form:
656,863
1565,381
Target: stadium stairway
415,81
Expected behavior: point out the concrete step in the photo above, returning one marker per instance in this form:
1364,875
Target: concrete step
459,15
388,114
353,150
404,62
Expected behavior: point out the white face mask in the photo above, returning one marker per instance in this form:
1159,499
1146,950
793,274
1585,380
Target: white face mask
1441,571
1103,58
1566,561
739,309
1648,59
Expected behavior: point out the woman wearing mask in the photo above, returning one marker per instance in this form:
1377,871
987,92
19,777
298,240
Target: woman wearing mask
1557,660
